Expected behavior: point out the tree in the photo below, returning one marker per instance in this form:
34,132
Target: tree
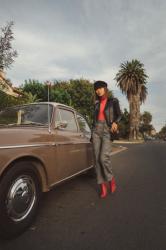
81,92
78,93
7,54
146,117
145,125
29,97
132,79
162,132
60,92
8,100
35,88
124,125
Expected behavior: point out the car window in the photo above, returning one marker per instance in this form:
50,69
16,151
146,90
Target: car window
83,125
26,114
67,117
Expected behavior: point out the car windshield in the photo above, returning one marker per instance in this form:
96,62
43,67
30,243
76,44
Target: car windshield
32,114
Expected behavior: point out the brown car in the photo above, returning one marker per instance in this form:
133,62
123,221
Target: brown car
41,145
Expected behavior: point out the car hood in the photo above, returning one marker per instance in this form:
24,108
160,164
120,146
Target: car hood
14,136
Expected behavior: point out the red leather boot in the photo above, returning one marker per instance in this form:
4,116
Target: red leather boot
103,190
112,185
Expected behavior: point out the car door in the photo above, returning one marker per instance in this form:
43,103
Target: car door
71,152
85,129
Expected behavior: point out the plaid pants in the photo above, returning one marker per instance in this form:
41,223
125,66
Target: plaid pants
102,152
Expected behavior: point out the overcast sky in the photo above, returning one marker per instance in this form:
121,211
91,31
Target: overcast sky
64,39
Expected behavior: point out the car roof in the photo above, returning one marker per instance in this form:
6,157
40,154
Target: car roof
55,104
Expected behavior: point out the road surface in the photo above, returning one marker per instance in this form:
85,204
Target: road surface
72,216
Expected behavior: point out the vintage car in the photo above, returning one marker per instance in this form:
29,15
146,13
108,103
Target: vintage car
41,145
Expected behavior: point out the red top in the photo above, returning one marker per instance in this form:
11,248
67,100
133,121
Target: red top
101,116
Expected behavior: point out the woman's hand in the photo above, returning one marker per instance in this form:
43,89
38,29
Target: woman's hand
114,127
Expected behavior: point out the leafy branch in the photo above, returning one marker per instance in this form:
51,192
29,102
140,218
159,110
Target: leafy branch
7,53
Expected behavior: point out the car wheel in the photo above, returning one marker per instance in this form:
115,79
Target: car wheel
19,198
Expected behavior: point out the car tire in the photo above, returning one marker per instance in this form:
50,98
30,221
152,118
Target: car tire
19,199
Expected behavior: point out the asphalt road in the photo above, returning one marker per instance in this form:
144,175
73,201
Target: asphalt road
72,216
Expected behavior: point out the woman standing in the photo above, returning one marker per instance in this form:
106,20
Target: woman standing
106,116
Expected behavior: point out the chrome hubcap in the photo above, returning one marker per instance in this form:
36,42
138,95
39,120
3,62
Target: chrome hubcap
21,198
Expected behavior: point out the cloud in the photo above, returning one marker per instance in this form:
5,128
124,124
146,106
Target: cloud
90,38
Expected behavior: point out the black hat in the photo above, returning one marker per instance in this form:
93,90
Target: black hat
99,84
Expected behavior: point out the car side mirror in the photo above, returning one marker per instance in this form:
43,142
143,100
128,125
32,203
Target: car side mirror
61,124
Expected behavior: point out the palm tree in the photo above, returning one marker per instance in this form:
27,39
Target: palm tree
132,79
30,98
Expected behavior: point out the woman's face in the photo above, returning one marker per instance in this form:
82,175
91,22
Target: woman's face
100,91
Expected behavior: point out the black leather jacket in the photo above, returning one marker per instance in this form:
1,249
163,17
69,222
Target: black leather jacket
112,112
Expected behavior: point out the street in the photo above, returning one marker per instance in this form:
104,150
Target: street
72,216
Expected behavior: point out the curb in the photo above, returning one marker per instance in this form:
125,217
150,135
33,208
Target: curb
128,142
119,150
